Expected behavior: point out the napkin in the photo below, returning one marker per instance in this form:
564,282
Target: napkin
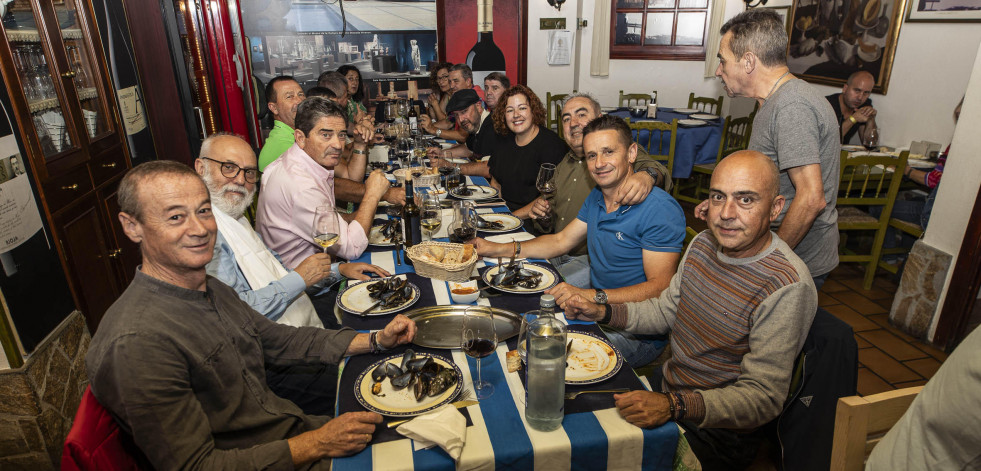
445,427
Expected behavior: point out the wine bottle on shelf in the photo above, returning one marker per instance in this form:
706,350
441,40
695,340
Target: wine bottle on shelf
485,57
411,222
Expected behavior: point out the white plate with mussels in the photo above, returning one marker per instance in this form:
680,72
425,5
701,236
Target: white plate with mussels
408,384
520,277
395,294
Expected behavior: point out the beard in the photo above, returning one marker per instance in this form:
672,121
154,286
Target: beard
224,197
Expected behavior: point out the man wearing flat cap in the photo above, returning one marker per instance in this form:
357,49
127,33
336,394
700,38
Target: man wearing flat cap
476,121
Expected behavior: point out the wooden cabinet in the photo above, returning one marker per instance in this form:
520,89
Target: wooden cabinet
69,124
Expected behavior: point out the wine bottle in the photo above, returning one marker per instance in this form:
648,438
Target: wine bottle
413,121
485,57
410,216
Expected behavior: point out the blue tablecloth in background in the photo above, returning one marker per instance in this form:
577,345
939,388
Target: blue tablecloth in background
695,145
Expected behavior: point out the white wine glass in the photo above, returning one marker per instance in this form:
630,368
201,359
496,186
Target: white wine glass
479,339
546,186
432,213
326,227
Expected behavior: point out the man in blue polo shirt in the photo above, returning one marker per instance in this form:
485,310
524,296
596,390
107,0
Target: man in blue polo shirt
633,249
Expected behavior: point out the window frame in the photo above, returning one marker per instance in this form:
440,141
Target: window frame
658,52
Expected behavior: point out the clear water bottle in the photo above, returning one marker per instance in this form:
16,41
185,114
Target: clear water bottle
546,305
545,399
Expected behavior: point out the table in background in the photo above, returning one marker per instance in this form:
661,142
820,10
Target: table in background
592,436
695,145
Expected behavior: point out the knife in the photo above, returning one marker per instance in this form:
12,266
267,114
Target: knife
372,308
457,404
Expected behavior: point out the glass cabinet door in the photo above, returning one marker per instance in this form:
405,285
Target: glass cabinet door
83,70
33,64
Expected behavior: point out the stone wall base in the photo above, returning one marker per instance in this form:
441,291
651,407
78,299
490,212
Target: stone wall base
915,304
38,400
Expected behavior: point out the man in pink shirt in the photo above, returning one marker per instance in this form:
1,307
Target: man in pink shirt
303,178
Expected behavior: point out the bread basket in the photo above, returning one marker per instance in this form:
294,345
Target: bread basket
425,264
428,179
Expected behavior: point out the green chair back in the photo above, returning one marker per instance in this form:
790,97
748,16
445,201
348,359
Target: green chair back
735,136
634,99
705,104
553,111
867,181
662,137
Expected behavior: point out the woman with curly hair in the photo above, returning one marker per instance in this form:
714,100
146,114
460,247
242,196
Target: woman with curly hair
519,118
355,89
439,83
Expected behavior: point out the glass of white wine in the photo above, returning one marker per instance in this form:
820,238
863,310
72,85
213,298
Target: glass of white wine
326,227
432,214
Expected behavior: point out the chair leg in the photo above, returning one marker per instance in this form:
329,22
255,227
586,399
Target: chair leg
880,237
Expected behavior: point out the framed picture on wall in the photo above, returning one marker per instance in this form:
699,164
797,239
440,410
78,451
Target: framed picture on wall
832,39
954,11
463,41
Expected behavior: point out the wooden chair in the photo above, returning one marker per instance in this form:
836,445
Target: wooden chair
553,111
705,104
860,422
735,137
661,136
867,181
910,228
634,99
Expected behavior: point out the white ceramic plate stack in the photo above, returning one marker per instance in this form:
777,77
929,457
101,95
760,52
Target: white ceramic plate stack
704,116
691,122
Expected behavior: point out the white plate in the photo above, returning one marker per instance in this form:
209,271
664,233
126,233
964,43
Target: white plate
852,148
356,298
458,161
480,192
704,116
549,279
917,163
690,122
375,237
608,109
686,110
591,359
402,402
510,222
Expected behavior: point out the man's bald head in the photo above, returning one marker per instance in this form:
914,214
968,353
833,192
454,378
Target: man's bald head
861,76
857,89
743,200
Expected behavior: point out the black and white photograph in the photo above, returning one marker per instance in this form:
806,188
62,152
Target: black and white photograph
954,11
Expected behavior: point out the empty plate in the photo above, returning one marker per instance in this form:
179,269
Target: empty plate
686,110
704,116
690,122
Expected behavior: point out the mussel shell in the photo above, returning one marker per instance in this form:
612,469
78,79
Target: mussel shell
408,356
403,380
415,365
392,370
443,380
379,374
431,367
420,389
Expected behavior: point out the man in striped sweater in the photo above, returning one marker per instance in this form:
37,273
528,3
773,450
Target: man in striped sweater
738,310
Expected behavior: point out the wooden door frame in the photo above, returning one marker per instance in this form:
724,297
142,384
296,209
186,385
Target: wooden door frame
962,294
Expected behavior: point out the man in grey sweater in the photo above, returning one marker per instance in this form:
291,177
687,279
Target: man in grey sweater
178,359
738,310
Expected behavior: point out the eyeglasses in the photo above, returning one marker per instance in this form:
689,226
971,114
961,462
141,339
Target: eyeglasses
230,170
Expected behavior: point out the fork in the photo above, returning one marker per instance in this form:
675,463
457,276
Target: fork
576,394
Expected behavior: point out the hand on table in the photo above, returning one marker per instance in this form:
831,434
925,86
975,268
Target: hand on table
579,308
314,268
359,271
486,248
400,331
347,434
564,292
635,189
644,409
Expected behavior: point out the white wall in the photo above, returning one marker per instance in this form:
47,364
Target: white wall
930,73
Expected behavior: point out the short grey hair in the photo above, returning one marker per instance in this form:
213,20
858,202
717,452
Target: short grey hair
139,176
760,31
334,81
464,69
313,110
596,105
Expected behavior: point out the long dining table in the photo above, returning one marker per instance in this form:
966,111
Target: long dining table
695,144
593,435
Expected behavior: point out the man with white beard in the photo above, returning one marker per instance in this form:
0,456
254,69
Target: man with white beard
241,260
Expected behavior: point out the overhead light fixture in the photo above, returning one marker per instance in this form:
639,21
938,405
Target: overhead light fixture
558,4
750,4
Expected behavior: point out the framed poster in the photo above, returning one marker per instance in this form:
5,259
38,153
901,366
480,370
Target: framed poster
953,11
831,39
459,36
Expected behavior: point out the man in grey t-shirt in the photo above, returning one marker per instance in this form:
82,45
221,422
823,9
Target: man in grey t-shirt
795,126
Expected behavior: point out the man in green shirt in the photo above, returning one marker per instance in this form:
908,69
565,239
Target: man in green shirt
574,183
283,95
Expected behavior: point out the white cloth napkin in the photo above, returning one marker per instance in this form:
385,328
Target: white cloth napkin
445,427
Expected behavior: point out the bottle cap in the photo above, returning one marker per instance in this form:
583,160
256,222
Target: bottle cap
547,301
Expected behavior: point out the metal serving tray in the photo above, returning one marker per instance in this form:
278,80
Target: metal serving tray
442,326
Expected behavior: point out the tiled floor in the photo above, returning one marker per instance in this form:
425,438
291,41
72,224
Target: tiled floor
888,358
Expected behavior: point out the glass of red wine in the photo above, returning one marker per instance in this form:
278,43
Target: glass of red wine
479,339
870,140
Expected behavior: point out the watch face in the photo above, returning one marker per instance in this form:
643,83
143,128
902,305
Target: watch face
600,296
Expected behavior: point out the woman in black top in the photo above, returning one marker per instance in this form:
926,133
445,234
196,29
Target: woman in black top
519,118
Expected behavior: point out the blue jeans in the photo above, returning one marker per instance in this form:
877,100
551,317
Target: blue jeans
574,269
637,350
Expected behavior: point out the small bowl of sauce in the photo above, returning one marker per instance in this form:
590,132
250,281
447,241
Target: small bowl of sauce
464,293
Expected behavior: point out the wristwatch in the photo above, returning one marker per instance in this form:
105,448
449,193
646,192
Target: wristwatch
600,297
439,132
653,173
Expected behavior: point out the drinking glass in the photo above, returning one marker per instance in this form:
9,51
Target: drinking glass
546,186
870,140
463,227
453,179
479,339
326,227
432,214
526,320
